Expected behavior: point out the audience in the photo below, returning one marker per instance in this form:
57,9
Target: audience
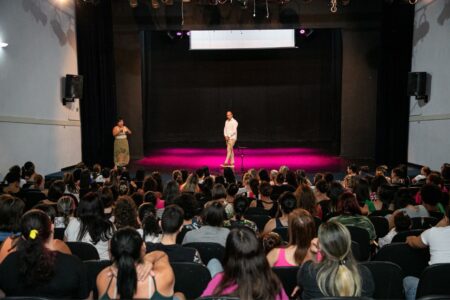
301,231
247,274
120,281
212,230
203,207
36,269
350,215
287,203
337,274
91,226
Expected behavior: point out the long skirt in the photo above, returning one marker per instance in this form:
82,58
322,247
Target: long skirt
121,152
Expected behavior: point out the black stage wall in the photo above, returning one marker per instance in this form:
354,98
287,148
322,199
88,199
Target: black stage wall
279,97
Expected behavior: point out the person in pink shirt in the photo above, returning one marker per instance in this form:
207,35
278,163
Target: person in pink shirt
245,263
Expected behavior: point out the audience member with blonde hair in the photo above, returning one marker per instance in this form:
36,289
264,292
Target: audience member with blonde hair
338,273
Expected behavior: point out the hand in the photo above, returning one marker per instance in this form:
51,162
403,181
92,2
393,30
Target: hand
314,246
410,240
295,291
145,270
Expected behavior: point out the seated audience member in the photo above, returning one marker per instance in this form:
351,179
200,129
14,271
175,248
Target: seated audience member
91,226
349,180
13,242
271,240
36,269
171,224
212,231
247,274
12,181
150,230
171,192
273,177
337,274
301,230
350,215
65,208
71,186
229,176
159,186
191,185
108,196
287,203
264,202
125,213
263,175
362,192
398,176
191,209
246,185
404,203
11,210
402,222
432,197
120,281
38,183
336,190
422,176
56,191
232,190
437,239
307,200
254,188
240,206
321,195
291,179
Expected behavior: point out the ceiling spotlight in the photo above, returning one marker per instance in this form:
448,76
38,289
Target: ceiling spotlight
302,31
3,44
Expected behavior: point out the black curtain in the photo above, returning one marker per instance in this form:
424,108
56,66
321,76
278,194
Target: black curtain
98,106
393,102
280,97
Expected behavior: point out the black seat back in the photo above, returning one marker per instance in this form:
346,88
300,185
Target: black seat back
411,261
288,277
259,219
381,213
208,251
32,197
190,278
283,232
361,236
388,278
84,251
94,267
355,251
423,222
434,281
401,236
381,225
58,233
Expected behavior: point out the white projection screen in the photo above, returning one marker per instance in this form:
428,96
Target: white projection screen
241,39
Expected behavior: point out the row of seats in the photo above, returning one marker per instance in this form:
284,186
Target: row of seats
388,268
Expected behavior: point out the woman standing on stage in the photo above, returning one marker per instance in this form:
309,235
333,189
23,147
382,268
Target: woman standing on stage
121,149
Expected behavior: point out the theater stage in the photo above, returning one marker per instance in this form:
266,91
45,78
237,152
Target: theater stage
309,159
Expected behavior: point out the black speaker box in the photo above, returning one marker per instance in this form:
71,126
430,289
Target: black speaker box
73,87
417,84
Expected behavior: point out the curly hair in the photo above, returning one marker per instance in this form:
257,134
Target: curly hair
125,213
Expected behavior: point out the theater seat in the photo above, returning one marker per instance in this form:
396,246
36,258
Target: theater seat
259,219
208,250
94,267
388,278
361,236
190,278
381,225
84,251
288,277
434,281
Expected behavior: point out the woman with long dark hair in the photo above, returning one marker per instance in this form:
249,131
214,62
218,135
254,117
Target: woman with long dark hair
36,269
287,203
120,281
301,231
338,273
240,207
247,274
91,225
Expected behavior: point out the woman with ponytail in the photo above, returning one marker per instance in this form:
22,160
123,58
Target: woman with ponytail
37,269
240,207
337,274
120,281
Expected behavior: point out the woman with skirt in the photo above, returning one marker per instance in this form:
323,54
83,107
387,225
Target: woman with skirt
121,149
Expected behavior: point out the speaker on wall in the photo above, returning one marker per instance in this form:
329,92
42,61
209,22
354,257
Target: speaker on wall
73,88
417,85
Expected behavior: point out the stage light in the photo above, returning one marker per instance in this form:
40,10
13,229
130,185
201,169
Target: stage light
3,44
179,33
302,31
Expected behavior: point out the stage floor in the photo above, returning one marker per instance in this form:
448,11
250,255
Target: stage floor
309,159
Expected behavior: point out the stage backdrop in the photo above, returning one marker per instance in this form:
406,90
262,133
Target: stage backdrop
279,97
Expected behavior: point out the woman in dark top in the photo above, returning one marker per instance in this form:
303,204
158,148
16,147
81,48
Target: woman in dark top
265,204
120,281
288,203
337,274
11,209
35,270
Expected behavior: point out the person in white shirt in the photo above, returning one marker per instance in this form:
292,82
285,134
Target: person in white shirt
437,239
230,134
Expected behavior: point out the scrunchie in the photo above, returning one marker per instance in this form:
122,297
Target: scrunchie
33,234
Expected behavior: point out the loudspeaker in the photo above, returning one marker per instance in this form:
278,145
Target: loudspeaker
417,84
73,87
